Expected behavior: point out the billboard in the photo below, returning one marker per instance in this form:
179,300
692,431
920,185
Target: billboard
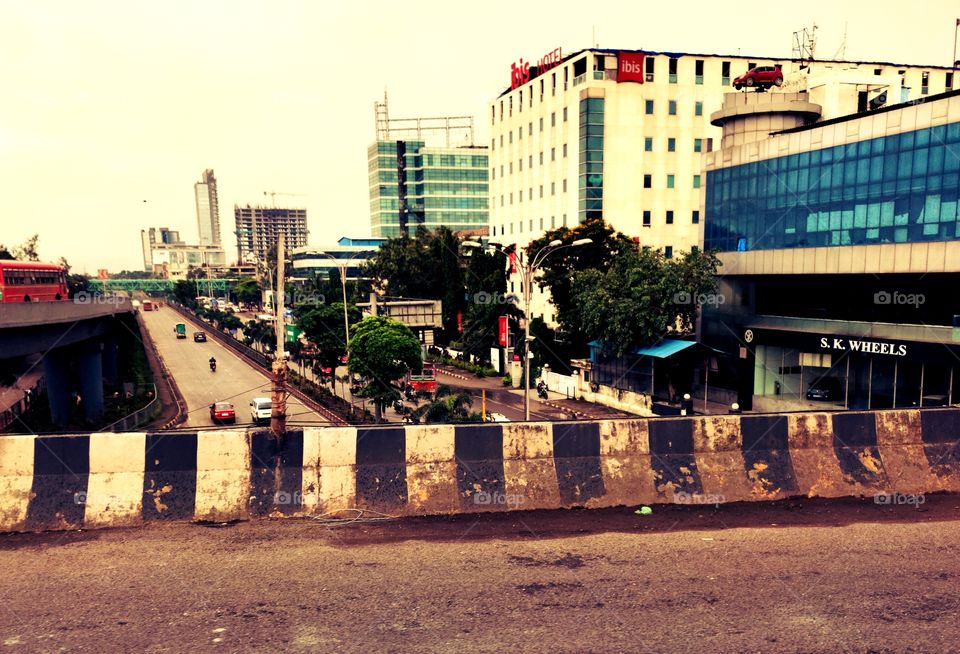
630,67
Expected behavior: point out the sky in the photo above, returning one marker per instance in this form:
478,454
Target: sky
111,111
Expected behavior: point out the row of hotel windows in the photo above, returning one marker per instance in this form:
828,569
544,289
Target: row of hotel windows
672,144
650,64
553,157
671,181
648,107
553,225
553,123
553,191
668,218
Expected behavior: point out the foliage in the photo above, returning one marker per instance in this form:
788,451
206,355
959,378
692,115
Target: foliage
322,326
247,291
641,297
486,286
478,369
446,406
185,292
382,350
260,332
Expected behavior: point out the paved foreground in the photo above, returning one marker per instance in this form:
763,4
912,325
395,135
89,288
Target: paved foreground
802,576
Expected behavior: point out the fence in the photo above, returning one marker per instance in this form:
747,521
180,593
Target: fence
139,417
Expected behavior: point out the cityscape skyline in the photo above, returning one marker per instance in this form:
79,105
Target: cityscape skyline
118,147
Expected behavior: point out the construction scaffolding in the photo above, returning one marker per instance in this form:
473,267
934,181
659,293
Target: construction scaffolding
458,130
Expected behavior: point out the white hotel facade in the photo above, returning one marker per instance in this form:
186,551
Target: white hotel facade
620,134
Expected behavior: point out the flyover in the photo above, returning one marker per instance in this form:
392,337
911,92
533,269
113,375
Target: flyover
157,285
81,334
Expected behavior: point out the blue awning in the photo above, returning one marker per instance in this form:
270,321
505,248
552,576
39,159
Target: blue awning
664,349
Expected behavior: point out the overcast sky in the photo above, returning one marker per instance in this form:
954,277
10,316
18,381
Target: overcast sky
107,104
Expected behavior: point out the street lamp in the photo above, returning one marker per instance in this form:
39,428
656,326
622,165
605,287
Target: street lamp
529,270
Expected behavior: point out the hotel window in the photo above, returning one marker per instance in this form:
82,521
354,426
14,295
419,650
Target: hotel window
519,133
553,90
698,71
648,107
541,223
672,70
541,193
501,114
564,150
948,81
695,218
511,167
501,140
698,145
541,157
696,181
541,124
564,220
553,222
530,128
649,68
667,251
878,71
564,190
520,165
530,161
493,115
530,97
553,154
511,197
564,114
520,197
669,217
725,73
511,106
531,224
672,107
501,199
501,170
541,90
493,144
648,144
924,83
646,218
698,108
566,76
553,189
671,144
511,136
553,119
670,181
648,181
530,197
494,171
520,103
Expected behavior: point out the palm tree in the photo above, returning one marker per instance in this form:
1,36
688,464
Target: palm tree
446,406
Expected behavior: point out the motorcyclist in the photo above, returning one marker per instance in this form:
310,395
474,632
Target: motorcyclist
213,363
542,389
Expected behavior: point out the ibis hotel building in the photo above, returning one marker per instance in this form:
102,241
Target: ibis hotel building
840,244
620,134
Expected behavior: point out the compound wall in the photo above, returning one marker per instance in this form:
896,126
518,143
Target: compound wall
94,480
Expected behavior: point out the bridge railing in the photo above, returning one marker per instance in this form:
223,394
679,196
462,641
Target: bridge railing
139,417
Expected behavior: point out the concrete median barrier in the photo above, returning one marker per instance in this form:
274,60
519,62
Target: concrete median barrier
98,480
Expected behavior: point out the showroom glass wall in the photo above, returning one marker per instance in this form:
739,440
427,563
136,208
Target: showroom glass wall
893,189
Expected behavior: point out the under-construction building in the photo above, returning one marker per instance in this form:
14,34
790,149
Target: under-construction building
258,228
413,182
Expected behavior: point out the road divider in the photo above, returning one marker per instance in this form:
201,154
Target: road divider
97,480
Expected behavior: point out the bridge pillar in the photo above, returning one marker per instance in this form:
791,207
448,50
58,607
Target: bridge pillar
109,361
90,367
56,370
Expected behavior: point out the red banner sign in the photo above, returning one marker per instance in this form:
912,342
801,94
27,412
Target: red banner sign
503,326
520,71
630,67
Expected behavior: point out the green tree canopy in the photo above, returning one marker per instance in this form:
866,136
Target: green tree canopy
382,350
247,291
642,297
323,326
446,406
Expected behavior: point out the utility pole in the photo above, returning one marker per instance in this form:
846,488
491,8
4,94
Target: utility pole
278,418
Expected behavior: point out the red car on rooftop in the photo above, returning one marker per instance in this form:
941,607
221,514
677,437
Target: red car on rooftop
762,76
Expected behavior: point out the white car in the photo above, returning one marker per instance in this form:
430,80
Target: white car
497,417
261,408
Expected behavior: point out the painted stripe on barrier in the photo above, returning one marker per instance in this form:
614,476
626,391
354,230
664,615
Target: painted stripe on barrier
333,450
902,450
625,462
576,456
382,469
431,470
940,431
766,456
115,484
170,476
223,477
855,443
16,480
672,459
814,460
61,465
270,492
478,453
718,448
530,475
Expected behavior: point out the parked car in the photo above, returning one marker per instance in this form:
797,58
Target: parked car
199,337
825,388
497,417
222,412
764,76
261,408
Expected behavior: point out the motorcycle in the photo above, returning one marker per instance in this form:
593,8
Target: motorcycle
542,392
213,366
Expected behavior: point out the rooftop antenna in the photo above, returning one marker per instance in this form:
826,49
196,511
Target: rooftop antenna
842,52
805,45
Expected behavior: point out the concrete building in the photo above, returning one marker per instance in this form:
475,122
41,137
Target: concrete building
208,209
412,184
350,253
259,227
840,244
176,260
151,238
619,134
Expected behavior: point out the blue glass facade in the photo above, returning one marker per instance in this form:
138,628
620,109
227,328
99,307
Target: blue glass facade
591,158
893,189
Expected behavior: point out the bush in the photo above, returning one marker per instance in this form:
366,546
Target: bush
507,380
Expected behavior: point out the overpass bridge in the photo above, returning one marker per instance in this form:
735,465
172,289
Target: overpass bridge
157,285
69,335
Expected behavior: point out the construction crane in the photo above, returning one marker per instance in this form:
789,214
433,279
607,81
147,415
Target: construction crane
273,196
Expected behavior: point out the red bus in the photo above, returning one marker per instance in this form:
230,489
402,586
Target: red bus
424,380
31,281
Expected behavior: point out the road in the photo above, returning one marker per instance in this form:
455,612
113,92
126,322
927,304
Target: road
799,576
234,381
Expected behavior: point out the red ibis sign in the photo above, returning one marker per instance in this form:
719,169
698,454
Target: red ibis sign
520,71
630,67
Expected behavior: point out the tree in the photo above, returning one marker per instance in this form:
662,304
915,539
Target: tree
486,284
559,268
323,326
642,297
382,350
247,291
185,292
446,406
26,251
75,283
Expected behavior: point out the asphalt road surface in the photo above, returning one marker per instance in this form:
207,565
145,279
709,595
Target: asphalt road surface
798,576
235,380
